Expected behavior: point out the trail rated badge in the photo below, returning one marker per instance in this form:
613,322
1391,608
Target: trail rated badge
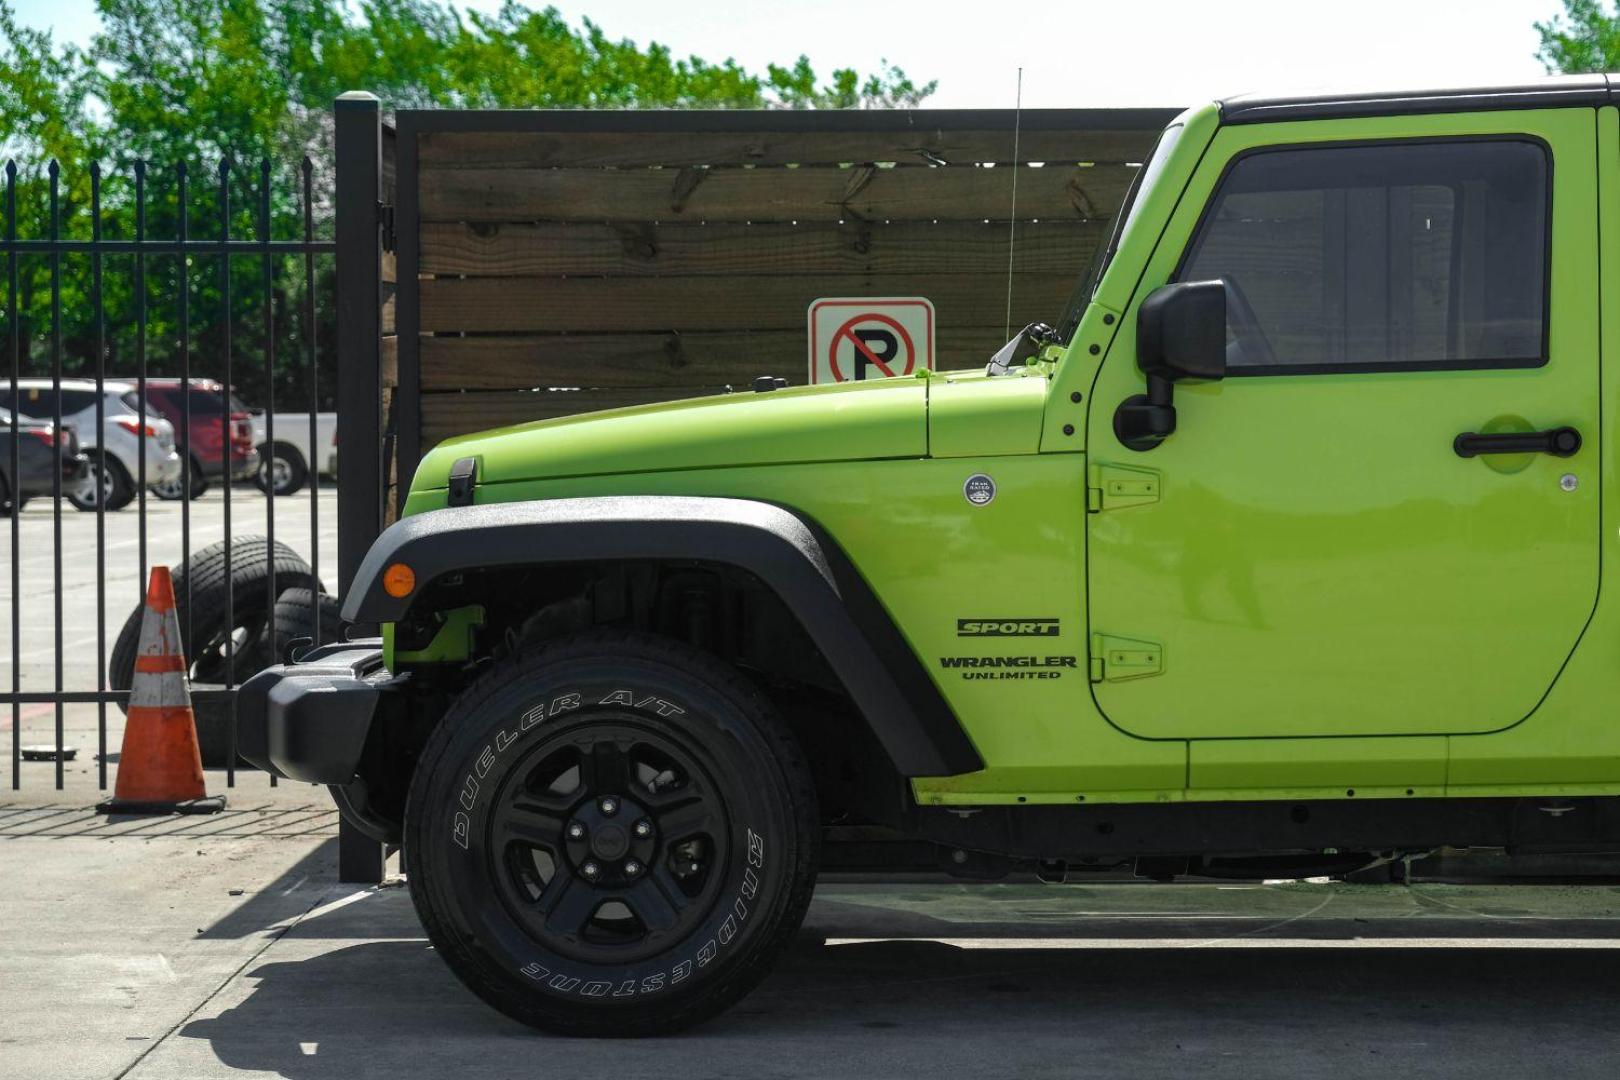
979,489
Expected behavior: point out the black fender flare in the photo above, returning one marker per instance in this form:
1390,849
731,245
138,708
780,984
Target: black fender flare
785,550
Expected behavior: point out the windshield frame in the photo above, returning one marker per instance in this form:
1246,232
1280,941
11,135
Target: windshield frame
1103,256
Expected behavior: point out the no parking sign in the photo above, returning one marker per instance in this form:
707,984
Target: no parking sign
857,338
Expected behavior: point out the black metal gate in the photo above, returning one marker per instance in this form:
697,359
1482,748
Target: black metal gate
127,293
138,253
117,319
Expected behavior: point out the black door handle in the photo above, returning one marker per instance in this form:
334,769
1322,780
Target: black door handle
1559,442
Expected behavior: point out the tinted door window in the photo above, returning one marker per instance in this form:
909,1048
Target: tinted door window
132,398
74,401
32,401
207,402
1416,255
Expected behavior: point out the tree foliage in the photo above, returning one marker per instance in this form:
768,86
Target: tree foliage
201,82
1584,38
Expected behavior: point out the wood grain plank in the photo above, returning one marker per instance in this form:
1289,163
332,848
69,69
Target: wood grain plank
643,248
770,194
650,360
716,303
543,150
388,361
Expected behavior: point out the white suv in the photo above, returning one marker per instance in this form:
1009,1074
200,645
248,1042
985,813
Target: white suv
114,455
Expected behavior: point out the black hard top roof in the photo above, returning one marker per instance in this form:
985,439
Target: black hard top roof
1562,90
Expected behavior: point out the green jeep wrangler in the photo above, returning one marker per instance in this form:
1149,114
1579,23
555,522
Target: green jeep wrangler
1280,553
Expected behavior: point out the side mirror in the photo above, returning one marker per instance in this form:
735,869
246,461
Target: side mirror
1180,334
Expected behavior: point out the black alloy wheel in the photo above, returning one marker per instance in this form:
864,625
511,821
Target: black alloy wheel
608,837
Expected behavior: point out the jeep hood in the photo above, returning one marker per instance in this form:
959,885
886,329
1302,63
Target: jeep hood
846,422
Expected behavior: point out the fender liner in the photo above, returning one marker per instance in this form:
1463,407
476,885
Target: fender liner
784,550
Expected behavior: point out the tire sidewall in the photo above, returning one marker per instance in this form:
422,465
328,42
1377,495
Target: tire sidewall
199,479
295,619
297,468
202,578
122,487
451,860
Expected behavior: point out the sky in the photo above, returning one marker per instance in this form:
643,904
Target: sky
1075,54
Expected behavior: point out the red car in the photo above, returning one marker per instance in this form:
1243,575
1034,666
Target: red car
213,421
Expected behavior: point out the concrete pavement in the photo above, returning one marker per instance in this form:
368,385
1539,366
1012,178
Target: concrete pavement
124,953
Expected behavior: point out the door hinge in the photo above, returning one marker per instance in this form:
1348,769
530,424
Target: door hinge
1115,659
1110,487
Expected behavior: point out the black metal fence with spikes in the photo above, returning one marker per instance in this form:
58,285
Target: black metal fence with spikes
87,259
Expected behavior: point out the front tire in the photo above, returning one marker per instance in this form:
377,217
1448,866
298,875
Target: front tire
613,835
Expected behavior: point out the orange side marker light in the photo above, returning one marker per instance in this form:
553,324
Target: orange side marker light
399,580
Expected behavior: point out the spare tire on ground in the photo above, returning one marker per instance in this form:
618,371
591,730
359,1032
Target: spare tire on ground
205,634
294,621
297,615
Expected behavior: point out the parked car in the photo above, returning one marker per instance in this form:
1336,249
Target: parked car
292,455
1279,553
214,423
115,451
44,452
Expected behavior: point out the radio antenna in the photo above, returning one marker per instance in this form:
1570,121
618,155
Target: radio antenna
1012,214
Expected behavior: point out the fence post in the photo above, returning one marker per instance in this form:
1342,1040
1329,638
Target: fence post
358,121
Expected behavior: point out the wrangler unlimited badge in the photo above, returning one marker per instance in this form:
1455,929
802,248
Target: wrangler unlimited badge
1009,667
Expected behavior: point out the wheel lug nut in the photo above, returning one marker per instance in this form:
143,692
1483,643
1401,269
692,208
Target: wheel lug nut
590,869
643,828
576,831
632,868
609,805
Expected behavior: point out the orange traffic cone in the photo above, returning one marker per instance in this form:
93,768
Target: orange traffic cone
160,768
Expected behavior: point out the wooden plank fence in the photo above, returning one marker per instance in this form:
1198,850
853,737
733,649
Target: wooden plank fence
635,257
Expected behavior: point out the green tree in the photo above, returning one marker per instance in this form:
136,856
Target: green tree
201,82
45,115
1586,37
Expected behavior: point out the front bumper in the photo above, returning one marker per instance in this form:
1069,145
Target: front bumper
161,465
309,720
244,465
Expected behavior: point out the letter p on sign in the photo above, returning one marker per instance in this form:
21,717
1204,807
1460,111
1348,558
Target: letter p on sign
857,338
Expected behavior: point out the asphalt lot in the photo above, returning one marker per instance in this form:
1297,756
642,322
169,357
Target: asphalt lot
218,947
124,585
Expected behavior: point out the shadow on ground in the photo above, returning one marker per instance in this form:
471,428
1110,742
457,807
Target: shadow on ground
923,1008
